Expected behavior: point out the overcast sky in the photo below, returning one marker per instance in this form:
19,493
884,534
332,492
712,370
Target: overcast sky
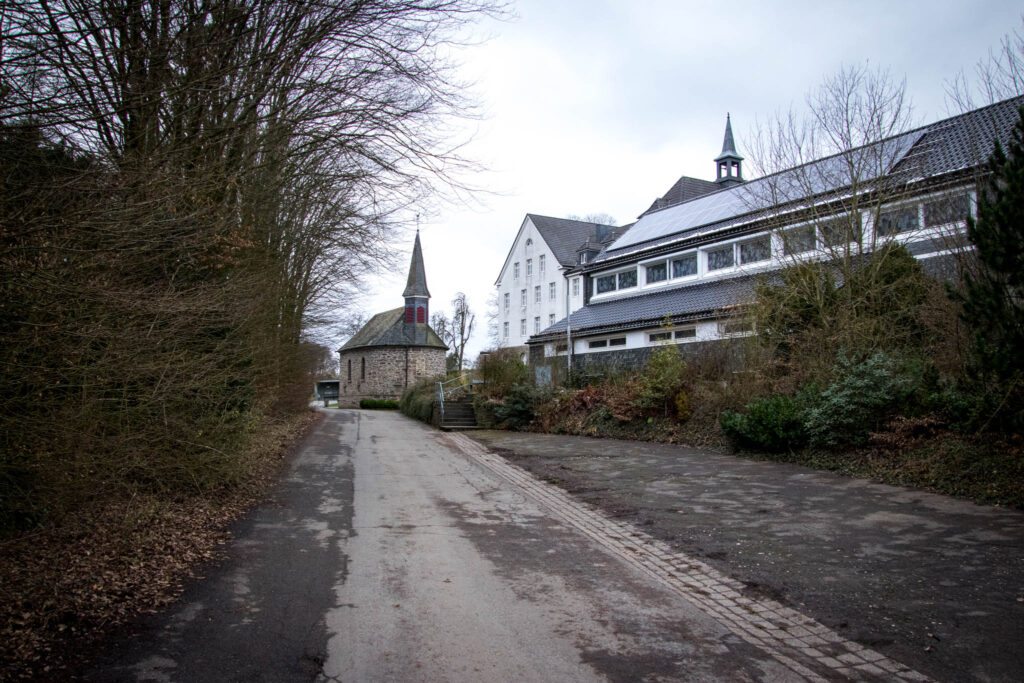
599,106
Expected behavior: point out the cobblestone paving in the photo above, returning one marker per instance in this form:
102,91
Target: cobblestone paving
807,647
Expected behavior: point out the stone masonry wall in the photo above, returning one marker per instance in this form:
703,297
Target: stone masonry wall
617,361
389,370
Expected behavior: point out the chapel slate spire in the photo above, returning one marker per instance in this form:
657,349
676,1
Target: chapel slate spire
416,284
729,162
417,297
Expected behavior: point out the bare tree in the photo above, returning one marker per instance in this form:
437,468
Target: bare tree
229,173
599,217
463,321
998,76
833,181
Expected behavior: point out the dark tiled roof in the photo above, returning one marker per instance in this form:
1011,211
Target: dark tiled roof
684,189
389,329
697,301
938,149
416,284
565,235
644,310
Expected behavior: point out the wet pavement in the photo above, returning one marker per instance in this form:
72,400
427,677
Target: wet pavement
930,581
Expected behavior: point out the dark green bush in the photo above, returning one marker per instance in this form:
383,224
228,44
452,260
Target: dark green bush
863,393
660,384
378,404
418,400
517,410
774,424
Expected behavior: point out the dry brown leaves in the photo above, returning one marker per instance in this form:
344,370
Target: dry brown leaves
63,587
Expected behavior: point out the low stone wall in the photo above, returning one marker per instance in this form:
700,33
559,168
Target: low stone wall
553,369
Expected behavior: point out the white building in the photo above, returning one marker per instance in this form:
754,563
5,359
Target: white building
533,293
692,260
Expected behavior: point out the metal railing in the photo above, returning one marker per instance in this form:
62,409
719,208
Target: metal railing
443,388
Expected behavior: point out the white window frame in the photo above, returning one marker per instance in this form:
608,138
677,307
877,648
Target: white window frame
529,267
536,294
552,291
551,319
504,329
522,297
508,301
576,286
635,269
515,270
522,327
541,263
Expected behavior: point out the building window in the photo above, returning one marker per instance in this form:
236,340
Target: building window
551,319
949,209
731,327
540,263
515,270
349,369
421,314
583,257
840,231
529,241
508,297
536,294
529,267
552,291
659,336
720,258
504,330
599,344
756,250
522,327
536,324
410,314
798,240
362,369
684,265
627,279
605,283
657,273
618,341
575,286
522,297
897,221
687,333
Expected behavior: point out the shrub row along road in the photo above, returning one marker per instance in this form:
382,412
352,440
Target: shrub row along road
395,552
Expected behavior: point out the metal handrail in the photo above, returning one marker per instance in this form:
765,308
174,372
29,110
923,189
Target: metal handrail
441,391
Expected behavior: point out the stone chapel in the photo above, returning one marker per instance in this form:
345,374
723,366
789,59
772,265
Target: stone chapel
395,349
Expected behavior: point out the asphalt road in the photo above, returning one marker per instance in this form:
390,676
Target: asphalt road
389,554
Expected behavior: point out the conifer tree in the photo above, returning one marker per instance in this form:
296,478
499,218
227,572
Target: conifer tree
994,295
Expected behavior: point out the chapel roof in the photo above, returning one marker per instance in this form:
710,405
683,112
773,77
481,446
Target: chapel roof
416,284
390,329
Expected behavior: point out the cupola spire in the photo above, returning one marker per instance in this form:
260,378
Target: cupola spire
417,297
729,162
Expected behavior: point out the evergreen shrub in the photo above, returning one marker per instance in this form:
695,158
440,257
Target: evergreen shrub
378,404
774,424
863,393
418,400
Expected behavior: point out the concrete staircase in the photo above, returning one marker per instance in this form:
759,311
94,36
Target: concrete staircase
459,415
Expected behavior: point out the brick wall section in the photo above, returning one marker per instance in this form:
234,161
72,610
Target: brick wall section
387,372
